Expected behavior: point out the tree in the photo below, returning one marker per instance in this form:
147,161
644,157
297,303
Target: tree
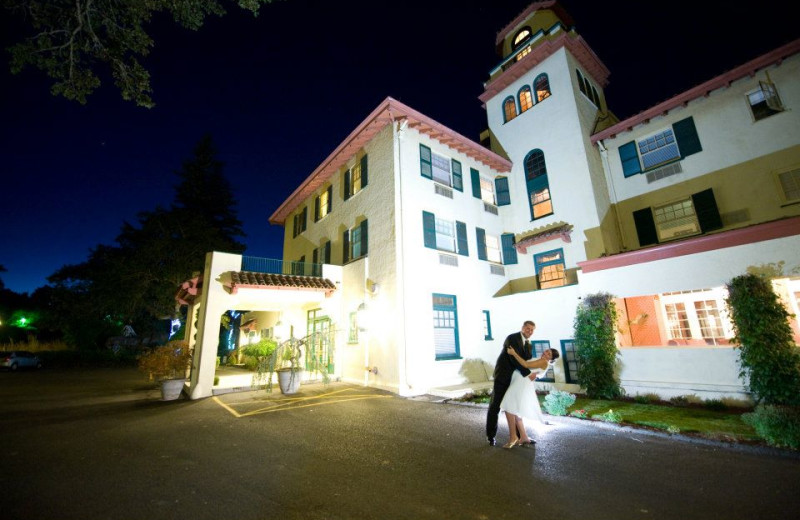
595,346
136,279
73,39
768,357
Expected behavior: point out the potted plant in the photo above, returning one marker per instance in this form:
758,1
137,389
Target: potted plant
262,353
167,364
289,369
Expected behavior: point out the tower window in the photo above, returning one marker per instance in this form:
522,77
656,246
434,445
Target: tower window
509,109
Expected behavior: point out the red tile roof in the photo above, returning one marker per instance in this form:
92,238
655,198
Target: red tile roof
249,279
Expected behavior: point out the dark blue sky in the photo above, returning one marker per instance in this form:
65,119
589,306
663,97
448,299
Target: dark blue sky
280,91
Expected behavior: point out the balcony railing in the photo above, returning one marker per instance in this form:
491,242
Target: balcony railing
272,266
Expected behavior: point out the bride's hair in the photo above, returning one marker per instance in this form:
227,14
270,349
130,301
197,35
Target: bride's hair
555,354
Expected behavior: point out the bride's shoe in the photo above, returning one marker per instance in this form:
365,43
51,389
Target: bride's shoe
510,444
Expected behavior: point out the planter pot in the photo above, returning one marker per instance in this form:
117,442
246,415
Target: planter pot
289,381
171,389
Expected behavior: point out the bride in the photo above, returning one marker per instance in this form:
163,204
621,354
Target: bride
521,400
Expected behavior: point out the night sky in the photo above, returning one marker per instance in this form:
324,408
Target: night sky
279,92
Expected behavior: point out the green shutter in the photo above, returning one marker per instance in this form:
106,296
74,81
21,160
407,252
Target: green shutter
347,185
705,207
458,181
327,257
645,227
346,246
364,172
686,136
364,240
316,209
476,183
315,256
330,199
629,159
429,229
481,234
425,165
461,238
509,251
501,191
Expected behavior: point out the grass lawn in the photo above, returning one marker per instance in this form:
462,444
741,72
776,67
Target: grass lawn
691,420
724,425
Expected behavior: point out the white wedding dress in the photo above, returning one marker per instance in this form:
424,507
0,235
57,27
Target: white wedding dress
521,399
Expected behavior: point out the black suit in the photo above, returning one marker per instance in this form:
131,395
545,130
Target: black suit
503,369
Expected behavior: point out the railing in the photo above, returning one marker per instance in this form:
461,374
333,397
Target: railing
272,266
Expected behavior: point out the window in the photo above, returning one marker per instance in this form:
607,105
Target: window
658,149
550,270
538,348
686,217
677,142
521,38
537,184
321,255
542,87
709,320
570,361
509,109
355,179
440,169
300,222
487,326
587,89
696,317
487,191
355,242
444,235
323,204
677,321
790,185
493,249
445,327
676,220
525,99
498,250
764,101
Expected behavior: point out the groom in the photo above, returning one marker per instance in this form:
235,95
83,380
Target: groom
505,366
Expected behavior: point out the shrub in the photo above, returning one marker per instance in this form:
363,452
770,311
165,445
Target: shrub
649,398
778,425
715,404
580,414
595,346
768,358
170,361
609,416
557,402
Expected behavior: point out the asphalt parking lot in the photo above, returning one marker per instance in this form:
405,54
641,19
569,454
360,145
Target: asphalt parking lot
89,444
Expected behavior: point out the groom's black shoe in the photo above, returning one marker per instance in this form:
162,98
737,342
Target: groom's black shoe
491,441
530,442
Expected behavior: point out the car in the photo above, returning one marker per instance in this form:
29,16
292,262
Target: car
16,359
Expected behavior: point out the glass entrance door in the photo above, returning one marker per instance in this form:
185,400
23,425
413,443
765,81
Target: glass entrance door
319,342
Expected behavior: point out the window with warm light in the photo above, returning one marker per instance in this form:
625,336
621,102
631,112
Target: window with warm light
487,191
509,109
356,178
525,99
542,87
550,269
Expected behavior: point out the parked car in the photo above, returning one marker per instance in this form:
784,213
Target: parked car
16,359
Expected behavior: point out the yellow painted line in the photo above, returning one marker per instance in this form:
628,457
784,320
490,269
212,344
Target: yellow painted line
231,410
279,408
293,399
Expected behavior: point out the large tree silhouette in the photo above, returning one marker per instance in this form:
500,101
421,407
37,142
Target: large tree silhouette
137,278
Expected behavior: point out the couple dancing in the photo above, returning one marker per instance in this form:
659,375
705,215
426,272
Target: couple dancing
514,391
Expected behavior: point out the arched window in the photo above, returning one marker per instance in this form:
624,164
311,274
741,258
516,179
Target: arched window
542,87
522,39
509,109
580,81
538,188
525,99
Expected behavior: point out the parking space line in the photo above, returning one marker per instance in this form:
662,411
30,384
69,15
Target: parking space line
291,403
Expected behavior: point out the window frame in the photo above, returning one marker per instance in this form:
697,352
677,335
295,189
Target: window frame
541,264
440,307
769,103
507,114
